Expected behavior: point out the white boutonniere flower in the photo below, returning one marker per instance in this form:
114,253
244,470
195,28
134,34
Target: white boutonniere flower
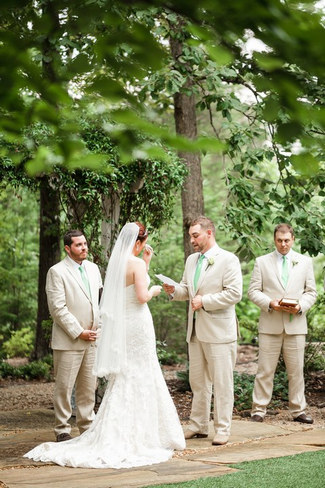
210,262
294,263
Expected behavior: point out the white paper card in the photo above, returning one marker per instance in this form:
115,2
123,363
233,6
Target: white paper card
166,280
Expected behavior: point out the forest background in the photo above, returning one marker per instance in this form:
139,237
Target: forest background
156,111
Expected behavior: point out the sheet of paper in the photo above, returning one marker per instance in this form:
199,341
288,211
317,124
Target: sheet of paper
166,280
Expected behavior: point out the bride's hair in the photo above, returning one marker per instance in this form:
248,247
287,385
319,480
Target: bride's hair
143,233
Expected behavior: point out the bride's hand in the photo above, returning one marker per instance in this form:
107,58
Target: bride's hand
155,290
147,254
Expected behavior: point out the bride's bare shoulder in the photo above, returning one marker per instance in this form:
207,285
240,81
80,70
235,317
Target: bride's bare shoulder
135,262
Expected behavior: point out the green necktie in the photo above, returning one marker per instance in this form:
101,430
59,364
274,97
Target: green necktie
198,270
285,271
84,278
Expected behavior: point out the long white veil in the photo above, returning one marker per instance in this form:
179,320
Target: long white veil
111,347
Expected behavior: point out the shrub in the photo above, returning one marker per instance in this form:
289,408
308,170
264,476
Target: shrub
165,356
31,371
20,344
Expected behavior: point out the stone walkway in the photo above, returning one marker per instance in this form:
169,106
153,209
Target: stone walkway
249,441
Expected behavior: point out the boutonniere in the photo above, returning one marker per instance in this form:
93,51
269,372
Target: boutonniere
294,263
210,262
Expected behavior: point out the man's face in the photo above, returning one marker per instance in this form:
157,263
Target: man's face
201,239
283,242
78,250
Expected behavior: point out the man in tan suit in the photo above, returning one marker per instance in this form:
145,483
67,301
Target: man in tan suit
282,274
212,282
73,296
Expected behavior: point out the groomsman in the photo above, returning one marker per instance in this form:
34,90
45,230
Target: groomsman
212,282
73,286
282,274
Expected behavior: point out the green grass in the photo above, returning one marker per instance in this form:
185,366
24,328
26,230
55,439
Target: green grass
305,470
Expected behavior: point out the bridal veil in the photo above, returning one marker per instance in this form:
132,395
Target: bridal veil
111,355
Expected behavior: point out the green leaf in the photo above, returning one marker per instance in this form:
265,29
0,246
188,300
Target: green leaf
268,62
218,54
90,161
305,163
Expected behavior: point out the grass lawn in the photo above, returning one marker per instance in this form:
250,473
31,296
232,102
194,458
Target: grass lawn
305,470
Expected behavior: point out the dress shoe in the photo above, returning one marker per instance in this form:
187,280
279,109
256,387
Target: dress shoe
189,434
220,440
303,419
63,437
257,418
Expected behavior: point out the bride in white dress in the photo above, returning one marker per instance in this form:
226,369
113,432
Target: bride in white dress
137,423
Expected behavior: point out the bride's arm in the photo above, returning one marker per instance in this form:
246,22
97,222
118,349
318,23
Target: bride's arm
141,283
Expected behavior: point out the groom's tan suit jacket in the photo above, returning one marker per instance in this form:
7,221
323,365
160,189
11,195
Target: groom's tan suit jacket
266,285
71,307
220,285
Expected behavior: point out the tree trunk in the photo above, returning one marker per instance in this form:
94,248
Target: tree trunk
109,226
185,122
49,245
49,238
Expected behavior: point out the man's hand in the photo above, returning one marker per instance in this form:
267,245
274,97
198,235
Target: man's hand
88,335
292,310
275,305
169,289
197,303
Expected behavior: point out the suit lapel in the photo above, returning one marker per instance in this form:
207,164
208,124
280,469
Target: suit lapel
294,267
274,264
206,268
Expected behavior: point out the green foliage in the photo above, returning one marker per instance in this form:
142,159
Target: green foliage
265,176
166,356
35,370
20,344
18,258
56,61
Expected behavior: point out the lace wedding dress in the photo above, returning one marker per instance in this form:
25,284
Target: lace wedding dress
137,423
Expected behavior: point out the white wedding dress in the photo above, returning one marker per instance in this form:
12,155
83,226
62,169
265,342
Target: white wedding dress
137,423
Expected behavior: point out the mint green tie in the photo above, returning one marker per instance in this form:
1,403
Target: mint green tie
198,271
285,271
84,278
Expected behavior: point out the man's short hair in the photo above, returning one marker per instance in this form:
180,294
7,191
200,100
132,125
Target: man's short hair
67,238
283,228
205,223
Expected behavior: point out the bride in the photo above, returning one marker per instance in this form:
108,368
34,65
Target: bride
137,422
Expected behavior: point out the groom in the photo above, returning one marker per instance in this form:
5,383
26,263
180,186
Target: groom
72,287
212,282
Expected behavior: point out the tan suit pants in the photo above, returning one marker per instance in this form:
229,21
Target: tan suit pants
74,368
211,365
293,350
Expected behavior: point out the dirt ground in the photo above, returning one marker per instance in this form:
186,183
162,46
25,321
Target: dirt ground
20,396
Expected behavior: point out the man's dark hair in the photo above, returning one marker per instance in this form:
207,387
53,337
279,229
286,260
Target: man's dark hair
283,228
205,223
67,238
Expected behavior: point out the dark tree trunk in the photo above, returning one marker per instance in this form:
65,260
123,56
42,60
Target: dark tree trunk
185,122
49,238
49,245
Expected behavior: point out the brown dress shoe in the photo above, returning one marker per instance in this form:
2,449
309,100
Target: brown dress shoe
63,437
189,434
257,418
303,419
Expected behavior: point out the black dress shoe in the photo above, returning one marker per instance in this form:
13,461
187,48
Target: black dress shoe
256,418
303,419
63,437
